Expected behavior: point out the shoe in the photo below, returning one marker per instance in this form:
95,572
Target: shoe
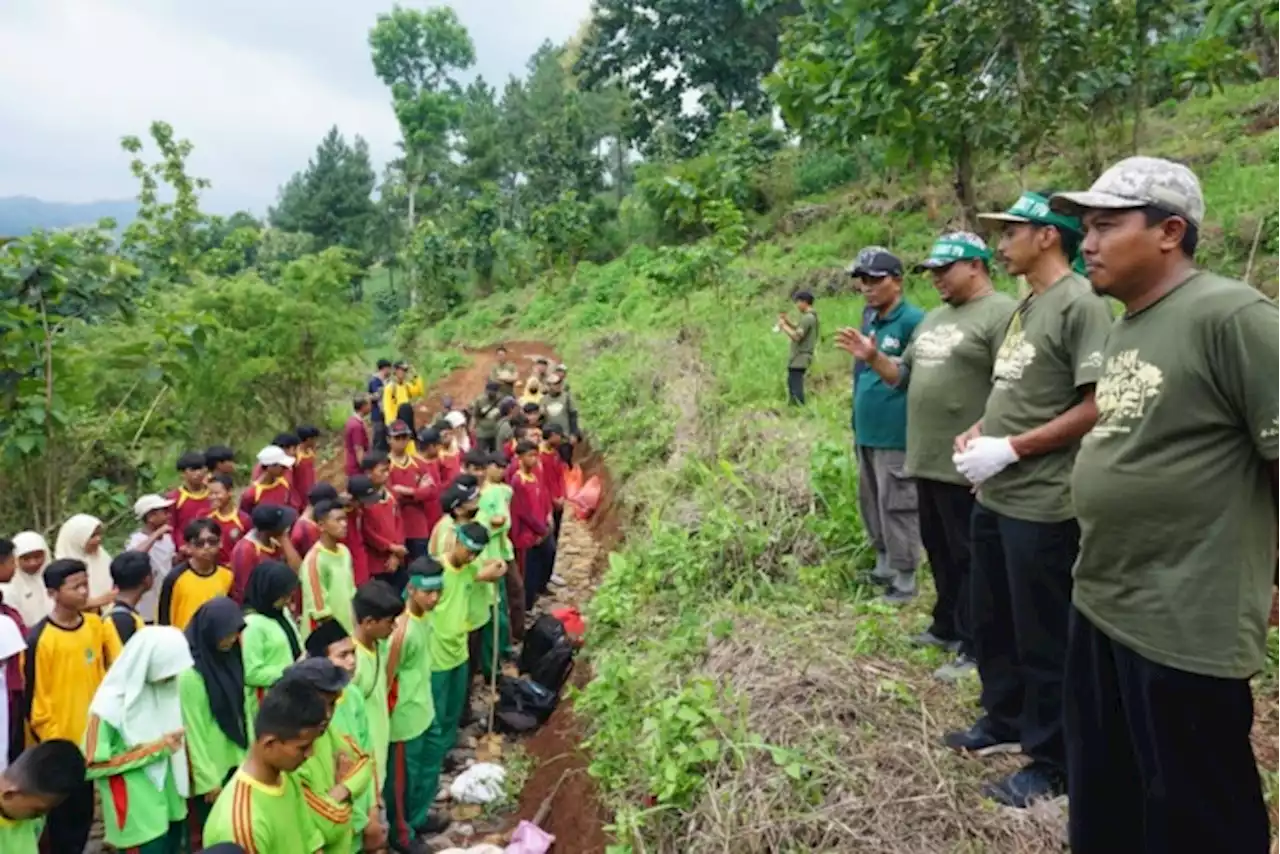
897,597
928,638
881,574
437,822
558,580
956,670
981,741
1022,788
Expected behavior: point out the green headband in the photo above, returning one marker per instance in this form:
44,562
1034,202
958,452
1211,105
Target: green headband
1034,208
467,541
424,582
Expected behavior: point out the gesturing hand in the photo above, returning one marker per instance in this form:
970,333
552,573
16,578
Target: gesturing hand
853,342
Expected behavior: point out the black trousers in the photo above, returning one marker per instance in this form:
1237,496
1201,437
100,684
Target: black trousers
68,825
538,563
1019,596
1158,759
795,386
488,444
946,512
380,442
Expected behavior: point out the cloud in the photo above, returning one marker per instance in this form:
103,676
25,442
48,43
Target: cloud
254,85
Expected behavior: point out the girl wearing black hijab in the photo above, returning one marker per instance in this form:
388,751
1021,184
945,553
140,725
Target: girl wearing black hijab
271,641
213,710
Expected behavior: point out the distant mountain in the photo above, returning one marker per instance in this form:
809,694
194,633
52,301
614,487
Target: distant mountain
20,215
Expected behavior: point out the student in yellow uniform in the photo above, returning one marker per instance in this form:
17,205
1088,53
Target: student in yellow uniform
135,745
400,389
38,781
132,575
66,654
197,579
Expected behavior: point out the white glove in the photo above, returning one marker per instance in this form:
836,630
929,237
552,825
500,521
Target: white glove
984,458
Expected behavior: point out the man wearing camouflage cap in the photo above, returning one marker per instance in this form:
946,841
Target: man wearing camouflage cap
1024,533
1175,488
946,372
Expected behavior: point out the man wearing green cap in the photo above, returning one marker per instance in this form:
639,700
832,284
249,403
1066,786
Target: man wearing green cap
1175,487
1024,533
946,373
886,495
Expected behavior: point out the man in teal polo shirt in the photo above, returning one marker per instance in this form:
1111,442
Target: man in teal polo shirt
886,495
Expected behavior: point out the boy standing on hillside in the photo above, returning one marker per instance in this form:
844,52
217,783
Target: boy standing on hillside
304,469
375,608
191,500
377,415
531,519
355,435
804,340
411,482
400,389
380,525
327,576
233,523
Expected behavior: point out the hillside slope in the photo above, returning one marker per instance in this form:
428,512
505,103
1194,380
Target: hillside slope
748,694
21,215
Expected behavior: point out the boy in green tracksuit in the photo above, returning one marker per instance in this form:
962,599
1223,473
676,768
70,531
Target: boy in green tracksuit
262,808
335,776
495,514
412,779
350,722
39,779
448,642
134,744
376,606
328,580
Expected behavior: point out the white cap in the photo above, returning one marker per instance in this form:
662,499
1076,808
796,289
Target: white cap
147,503
456,419
274,455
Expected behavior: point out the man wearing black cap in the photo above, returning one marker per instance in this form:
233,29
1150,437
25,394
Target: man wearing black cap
1175,490
269,540
486,416
886,494
804,340
376,414
946,371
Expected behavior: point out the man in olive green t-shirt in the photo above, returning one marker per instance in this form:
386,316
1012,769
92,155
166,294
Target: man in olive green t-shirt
804,339
1175,488
1024,534
946,373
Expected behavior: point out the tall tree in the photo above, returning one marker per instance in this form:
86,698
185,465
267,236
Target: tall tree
666,53
332,199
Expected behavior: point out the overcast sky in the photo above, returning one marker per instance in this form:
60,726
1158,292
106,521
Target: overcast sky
254,84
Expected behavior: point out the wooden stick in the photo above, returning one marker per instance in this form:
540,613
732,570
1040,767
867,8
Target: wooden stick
1253,251
544,808
493,666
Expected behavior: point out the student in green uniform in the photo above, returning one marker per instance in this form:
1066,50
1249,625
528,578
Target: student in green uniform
213,706
412,775
449,633
270,641
376,606
804,340
1024,533
1175,488
135,744
460,502
494,513
328,580
946,372
350,722
40,778
262,808
333,778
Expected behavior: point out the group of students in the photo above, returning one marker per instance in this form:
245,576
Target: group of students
1096,497
286,671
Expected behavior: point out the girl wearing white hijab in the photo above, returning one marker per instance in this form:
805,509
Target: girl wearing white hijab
134,744
25,591
11,644
80,537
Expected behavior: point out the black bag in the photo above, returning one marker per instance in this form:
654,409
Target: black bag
547,655
525,697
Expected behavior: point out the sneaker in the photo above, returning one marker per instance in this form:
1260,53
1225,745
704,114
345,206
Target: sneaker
1023,788
895,596
979,740
928,638
558,580
956,670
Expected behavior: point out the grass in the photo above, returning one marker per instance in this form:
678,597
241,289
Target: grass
750,694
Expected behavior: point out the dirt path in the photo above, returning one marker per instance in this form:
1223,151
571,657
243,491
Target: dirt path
576,819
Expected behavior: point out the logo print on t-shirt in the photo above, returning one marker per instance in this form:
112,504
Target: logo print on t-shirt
1015,354
555,408
934,346
1125,390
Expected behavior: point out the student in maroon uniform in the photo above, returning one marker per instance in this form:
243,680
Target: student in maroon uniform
233,522
269,540
220,459
270,484
360,491
305,533
429,454
355,434
381,526
413,486
304,470
450,455
191,500
531,519
553,469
